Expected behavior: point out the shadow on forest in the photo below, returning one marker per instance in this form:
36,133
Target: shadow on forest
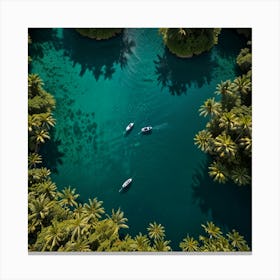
97,56
51,154
229,204
177,74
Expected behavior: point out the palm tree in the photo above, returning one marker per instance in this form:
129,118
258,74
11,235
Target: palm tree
48,188
79,210
81,245
104,234
162,245
55,234
41,135
35,84
33,122
142,243
222,244
236,239
218,172
93,210
212,230
245,124
182,32
34,159
203,139
224,88
78,227
32,226
127,244
229,97
218,244
47,120
224,146
189,244
228,121
118,219
210,107
156,231
39,209
246,142
35,175
242,85
240,176
68,197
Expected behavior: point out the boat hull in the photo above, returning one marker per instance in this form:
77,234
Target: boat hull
126,184
147,129
129,127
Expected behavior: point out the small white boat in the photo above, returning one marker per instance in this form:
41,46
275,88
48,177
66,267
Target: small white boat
125,184
146,129
129,127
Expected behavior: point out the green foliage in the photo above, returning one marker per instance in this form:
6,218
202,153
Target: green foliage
93,210
244,60
57,222
29,42
143,243
189,244
68,197
204,140
218,172
118,219
210,107
227,137
40,118
215,241
34,159
99,33
185,42
156,231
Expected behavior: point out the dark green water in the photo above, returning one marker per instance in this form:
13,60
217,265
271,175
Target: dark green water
102,86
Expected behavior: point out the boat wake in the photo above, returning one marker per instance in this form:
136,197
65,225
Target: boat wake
160,126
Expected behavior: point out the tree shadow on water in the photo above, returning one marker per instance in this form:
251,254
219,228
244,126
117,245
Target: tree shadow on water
98,57
39,36
230,204
230,43
52,156
177,74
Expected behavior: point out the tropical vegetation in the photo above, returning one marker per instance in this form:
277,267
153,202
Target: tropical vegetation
227,137
59,222
214,241
186,42
99,33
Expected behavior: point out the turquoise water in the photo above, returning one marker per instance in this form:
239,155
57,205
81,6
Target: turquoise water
102,86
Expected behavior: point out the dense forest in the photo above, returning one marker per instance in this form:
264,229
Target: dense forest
227,137
186,42
99,33
58,222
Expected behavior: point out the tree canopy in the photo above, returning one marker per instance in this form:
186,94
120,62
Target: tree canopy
58,222
99,33
227,137
186,42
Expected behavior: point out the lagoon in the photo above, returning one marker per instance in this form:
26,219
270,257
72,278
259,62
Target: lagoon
100,87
